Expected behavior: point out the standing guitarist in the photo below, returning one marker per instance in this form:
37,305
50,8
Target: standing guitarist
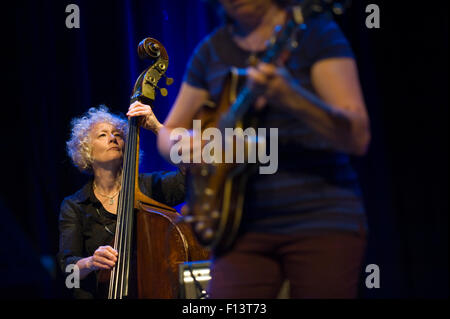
305,223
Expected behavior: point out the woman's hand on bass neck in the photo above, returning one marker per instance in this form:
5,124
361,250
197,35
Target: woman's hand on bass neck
148,119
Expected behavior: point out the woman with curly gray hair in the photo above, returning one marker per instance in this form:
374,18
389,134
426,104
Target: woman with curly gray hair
87,219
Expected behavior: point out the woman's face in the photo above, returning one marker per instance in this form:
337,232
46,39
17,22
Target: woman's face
242,10
106,144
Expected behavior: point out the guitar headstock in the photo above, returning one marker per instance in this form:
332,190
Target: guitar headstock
284,39
146,85
307,8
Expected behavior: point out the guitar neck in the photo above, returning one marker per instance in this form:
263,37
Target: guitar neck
239,108
246,97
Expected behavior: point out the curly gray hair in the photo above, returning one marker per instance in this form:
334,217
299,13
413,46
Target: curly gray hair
79,145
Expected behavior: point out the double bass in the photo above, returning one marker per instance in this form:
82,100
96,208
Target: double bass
150,237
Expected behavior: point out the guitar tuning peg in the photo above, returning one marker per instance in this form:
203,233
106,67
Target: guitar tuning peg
338,9
169,81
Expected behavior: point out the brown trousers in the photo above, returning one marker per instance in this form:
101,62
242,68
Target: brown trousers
317,265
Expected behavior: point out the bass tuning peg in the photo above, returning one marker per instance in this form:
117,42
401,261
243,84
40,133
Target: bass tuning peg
169,81
163,91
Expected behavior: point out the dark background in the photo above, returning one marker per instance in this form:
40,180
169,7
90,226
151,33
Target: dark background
51,74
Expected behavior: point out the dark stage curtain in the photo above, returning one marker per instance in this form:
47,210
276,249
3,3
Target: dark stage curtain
51,74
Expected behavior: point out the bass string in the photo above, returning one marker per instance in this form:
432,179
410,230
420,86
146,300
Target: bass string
113,284
115,273
127,212
118,283
118,279
129,208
